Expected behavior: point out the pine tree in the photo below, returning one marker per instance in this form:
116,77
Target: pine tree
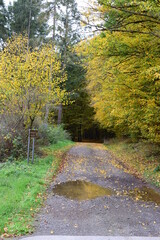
26,17
65,18
77,115
66,22
3,22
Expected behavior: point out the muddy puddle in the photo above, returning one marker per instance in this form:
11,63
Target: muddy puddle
145,194
81,190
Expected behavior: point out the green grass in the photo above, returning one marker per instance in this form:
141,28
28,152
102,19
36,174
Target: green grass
22,189
141,159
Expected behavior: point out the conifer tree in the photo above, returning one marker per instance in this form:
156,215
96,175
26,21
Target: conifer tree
26,17
3,22
65,18
65,27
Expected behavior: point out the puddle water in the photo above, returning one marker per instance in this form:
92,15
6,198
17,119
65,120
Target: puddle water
145,194
81,190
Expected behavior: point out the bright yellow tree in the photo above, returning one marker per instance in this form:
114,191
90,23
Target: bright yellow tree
29,80
123,80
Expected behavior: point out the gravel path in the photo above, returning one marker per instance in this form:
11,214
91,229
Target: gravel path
116,215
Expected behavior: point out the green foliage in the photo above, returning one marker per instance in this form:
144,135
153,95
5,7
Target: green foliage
132,16
157,169
21,190
66,22
26,17
18,147
3,22
52,134
78,115
13,146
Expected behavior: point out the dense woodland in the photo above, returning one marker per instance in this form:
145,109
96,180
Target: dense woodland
123,67
49,75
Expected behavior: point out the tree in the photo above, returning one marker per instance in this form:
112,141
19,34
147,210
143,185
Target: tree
132,16
28,80
66,21
64,32
123,69
78,115
3,22
26,17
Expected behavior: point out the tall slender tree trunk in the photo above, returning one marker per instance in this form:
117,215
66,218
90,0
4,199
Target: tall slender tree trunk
54,24
66,36
64,58
59,114
29,24
53,45
80,133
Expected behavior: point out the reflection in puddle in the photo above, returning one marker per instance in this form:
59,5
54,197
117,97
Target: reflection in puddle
81,190
145,194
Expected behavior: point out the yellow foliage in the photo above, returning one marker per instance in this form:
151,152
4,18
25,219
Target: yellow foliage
29,79
123,80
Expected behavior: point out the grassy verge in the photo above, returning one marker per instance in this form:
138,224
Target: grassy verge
22,189
141,159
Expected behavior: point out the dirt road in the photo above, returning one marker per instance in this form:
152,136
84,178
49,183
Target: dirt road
126,207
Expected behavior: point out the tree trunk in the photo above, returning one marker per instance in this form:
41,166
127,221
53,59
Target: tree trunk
53,45
29,24
54,24
80,133
64,60
59,114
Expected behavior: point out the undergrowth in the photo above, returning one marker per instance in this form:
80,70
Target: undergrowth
22,189
141,159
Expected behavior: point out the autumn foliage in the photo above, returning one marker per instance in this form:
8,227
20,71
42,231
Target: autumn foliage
29,80
123,69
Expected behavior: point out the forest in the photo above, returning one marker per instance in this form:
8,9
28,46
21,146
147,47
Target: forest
95,86
42,78
88,75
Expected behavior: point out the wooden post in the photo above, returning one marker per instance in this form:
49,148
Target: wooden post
32,135
33,151
28,147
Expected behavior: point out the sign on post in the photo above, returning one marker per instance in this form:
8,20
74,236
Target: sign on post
32,135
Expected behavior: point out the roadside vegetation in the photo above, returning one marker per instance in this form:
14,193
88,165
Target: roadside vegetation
141,159
23,188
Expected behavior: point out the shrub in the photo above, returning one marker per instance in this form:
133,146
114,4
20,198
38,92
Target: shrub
52,134
18,147
12,147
